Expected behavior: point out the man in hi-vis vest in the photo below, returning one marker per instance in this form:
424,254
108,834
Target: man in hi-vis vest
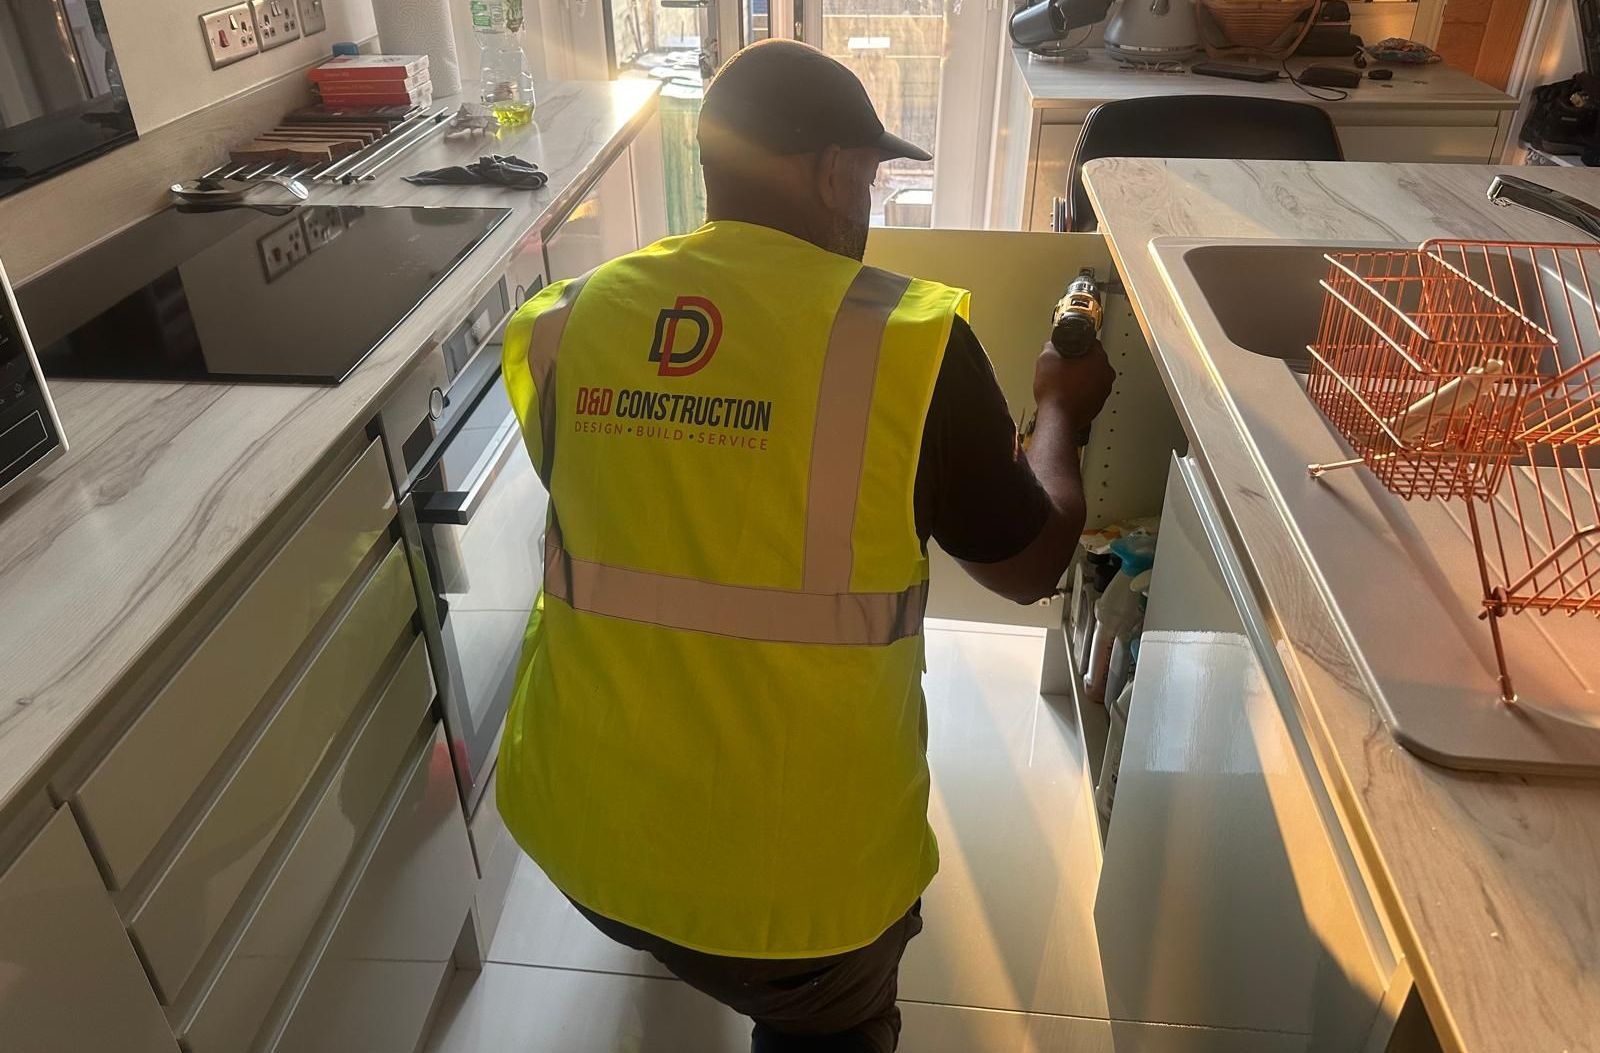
716,748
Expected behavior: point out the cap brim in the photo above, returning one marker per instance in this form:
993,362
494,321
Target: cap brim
892,146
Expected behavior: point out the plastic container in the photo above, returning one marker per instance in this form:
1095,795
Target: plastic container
1105,791
503,66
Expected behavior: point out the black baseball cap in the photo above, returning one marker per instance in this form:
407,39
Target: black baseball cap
789,98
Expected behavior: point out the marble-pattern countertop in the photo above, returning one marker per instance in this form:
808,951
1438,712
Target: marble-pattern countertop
107,549
1085,85
1492,882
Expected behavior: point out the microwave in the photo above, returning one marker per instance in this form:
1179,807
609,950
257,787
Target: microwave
30,431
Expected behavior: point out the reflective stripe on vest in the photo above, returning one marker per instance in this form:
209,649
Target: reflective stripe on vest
544,343
824,611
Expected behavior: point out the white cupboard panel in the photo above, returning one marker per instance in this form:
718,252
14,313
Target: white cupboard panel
69,980
194,895
1465,144
236,1001
149,776
376,980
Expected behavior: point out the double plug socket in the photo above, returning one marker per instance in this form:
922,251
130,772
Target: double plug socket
249,28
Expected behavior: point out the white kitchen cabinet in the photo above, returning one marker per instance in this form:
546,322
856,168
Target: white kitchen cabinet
376,980
1431,114
196,893
1229,896
69,980
132,797
235,1001
600,227
1015,279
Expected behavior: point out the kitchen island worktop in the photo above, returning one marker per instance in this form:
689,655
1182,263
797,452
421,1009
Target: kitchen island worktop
1491,883
166,484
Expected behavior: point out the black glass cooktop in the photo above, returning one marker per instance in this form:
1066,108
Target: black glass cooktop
301,296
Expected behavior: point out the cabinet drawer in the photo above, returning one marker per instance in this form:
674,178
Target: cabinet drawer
69,980
376,981
1466,144
129,800
188,903
234,1005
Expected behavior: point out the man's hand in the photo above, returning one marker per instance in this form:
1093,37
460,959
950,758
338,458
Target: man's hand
1078,386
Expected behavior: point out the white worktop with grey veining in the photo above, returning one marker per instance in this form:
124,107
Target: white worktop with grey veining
166,483
1491,882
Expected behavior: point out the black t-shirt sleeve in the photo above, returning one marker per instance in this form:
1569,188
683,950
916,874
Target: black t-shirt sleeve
975,493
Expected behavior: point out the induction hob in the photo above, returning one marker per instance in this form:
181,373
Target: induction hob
298,296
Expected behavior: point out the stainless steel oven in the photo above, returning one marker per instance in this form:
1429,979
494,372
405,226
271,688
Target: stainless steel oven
473,512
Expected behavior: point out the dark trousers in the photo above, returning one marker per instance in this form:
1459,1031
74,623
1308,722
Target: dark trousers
840,1004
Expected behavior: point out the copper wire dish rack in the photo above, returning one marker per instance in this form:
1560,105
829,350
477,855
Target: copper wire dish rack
1470,371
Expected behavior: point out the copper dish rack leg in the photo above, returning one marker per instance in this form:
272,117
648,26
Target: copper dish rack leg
1494,608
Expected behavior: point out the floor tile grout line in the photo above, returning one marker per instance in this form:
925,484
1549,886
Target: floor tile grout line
1098,1019
577,969
1086,1018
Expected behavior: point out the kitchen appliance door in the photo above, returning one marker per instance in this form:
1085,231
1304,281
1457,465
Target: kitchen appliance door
480,516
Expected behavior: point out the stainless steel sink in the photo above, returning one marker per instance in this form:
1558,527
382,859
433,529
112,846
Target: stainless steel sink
1264,295
1401,578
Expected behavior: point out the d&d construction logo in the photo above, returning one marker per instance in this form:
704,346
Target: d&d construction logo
686,338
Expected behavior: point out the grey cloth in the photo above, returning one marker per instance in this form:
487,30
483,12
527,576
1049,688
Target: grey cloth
841,1004
493,170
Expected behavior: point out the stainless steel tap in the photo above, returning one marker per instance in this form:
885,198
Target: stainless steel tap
1514,190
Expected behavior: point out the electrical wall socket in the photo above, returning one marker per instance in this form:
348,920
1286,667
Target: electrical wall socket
322,225
283,248
313,19
277,22
230,35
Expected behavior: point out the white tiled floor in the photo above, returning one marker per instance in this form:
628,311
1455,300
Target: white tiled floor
1007,961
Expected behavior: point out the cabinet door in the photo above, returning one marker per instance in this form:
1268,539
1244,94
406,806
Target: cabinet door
1015,279
599,228
1226,897
69,980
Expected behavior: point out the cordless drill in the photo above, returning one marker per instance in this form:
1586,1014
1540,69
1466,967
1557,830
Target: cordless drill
1075,322
1074,328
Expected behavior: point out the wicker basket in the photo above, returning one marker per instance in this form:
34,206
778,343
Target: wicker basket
1272,28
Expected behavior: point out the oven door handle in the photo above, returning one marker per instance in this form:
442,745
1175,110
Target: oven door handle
457,507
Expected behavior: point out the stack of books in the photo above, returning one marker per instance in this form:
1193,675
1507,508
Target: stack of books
355,81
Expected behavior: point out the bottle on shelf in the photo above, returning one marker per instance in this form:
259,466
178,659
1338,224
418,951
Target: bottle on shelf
503,68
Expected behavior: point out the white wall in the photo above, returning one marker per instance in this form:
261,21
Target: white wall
162,54
1557,51
563,39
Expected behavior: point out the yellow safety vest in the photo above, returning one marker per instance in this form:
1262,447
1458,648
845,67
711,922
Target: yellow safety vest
717,734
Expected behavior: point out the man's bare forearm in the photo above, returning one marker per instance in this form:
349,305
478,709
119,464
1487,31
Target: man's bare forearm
1032,574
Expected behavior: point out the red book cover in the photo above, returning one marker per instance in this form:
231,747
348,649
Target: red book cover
370,67
420,97
362,87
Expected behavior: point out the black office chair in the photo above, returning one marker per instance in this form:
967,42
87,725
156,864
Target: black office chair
1198,126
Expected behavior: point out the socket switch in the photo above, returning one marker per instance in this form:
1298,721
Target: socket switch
313,19
277,22
230,35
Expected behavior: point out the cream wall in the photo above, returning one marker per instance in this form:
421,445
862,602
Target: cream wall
164,64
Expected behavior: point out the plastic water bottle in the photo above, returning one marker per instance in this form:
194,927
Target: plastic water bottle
503,76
